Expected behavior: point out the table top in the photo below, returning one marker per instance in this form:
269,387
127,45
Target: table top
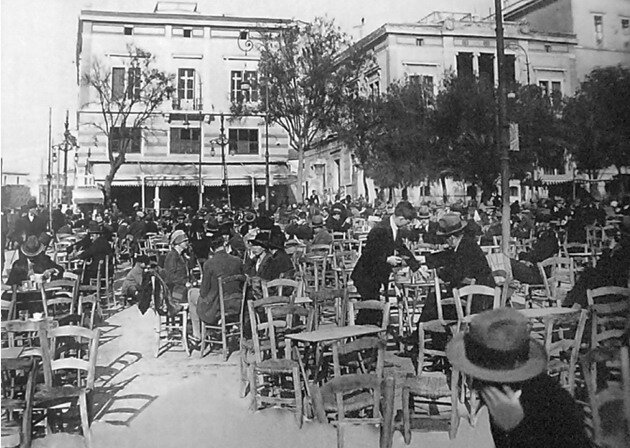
332,333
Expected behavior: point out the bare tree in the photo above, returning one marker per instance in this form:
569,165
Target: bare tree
127,97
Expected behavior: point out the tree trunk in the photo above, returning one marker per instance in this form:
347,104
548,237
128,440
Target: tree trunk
300,175
107,191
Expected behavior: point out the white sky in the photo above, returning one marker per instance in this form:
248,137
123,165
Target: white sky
38,41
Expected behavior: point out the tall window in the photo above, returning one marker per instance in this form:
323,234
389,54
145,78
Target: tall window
129,138
598,21
465,65
186,84
185,140
551,88
243,141
134,83
244,85
486,67
118,83
510,68
374,86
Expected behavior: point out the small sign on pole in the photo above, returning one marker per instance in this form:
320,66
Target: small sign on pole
514,143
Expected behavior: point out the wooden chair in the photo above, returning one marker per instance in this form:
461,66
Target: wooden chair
18,386
69,365
313,268
502,273
356,399
171,327
87,309
356,305
8,307
331,306
610,407
274,377
558,282
59,299
466,295
363,355
610,313
25,334
562,341
230,308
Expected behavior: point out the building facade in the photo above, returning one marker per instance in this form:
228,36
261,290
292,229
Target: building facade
427,51
601,27
191,143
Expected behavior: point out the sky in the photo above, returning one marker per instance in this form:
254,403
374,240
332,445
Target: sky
38,43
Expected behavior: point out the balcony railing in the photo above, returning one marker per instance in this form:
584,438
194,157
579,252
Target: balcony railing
187,104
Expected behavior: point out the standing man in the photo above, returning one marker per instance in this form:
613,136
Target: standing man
384,250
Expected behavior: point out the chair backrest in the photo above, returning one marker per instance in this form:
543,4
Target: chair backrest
232,292
501,267
363,355
610,312
69,348
287,318
563,335
466,295
331,305
261,325
561,276
282,287
320,249
313,269
357,305
86,309
59,297
8,307
24,333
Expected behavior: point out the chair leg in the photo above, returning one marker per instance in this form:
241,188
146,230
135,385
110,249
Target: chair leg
158,334
340,434
297,388
454,404
184,315
224,349
387,424
244,378
85,420
253,387
202,344
406,412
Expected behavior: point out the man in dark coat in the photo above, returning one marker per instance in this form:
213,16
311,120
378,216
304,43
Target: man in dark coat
383,250
33,260
278,261
207,306
96,252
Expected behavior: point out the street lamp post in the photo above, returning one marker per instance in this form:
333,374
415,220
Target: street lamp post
516,45
69,143
222,141
267,181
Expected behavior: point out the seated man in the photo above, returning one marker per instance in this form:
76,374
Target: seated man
33,260
206,307
321,235
133,281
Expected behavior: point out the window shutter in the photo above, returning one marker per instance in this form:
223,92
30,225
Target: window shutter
118,83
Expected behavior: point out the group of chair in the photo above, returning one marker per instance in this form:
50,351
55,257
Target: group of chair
50,377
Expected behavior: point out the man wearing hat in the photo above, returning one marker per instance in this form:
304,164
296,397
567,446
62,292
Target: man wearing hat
96,252
457,266
299,229
321,235
383,250
278,262
337,221
33,260
528,409
176,272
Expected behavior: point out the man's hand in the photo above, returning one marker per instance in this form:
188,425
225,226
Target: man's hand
504,406
394,260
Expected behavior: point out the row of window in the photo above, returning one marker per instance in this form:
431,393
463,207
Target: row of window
127,83
185,140
598,23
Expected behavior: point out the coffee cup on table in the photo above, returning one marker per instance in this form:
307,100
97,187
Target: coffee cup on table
37,316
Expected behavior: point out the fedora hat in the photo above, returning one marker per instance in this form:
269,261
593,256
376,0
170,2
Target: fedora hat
261,239
317,221
32,247
276,238
178,237
450,223
424,212
498,348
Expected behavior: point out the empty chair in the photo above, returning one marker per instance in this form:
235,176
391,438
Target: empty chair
355,306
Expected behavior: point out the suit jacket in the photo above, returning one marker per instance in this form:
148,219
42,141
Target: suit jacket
276,264
467,261
175,270
372,269
41,263
96,252
220,264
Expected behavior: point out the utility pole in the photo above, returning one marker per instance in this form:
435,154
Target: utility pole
49,175
502,132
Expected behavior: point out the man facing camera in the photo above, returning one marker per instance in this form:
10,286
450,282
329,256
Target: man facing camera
383,250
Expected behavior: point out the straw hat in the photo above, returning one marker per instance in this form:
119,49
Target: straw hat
32,247
178,237
498,348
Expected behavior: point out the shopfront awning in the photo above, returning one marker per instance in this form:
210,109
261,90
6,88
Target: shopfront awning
87,195
162,174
